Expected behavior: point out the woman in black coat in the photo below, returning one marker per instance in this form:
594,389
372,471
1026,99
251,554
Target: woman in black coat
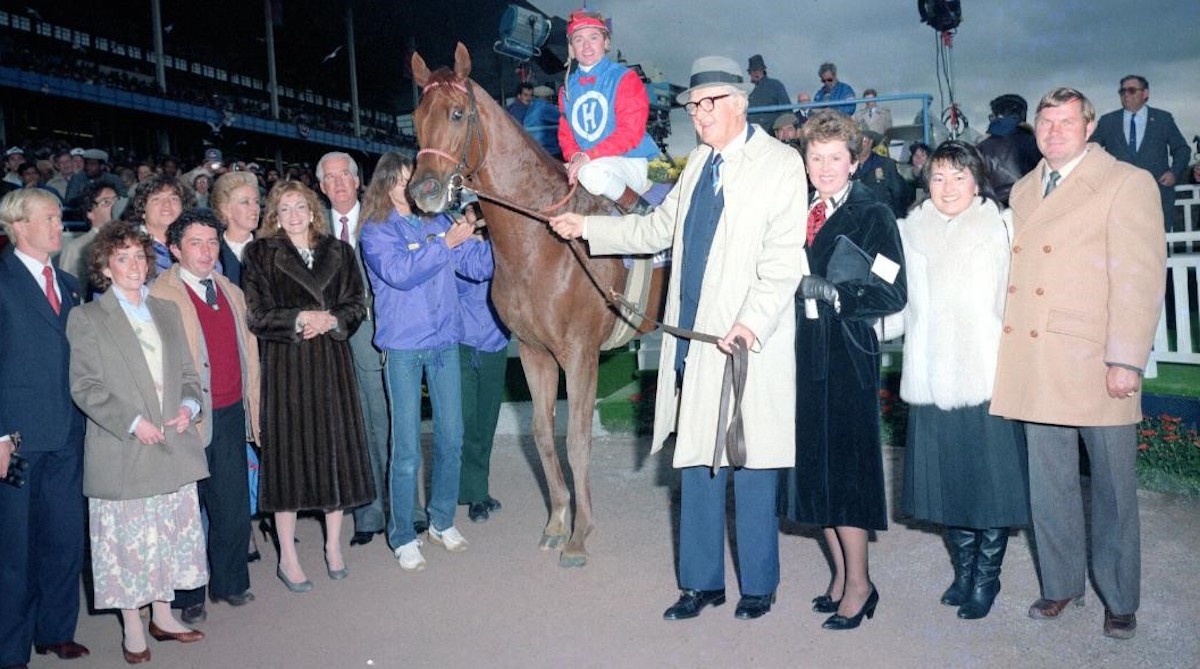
837,482
304,298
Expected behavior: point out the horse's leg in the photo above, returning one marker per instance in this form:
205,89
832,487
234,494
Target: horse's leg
541,374
581,369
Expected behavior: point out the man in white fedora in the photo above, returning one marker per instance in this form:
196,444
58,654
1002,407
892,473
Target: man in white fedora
734,223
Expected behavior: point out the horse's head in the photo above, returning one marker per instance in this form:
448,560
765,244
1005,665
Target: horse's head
450,130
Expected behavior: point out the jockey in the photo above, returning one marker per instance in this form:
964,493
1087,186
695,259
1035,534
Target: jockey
604,106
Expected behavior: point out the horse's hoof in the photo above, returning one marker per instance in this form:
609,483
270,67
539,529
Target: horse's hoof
568,560
552,542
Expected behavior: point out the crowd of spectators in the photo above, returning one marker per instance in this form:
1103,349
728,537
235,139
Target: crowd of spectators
43,55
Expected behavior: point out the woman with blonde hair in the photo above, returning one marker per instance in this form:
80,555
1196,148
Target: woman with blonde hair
304,298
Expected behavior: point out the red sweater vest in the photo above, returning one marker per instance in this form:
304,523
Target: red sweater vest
225,362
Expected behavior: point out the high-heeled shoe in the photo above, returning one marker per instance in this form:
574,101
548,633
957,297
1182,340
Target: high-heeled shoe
303,586
825,604
840,622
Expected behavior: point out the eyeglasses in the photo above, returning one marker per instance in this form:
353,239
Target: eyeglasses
706,104
106,202
828,81
1129,90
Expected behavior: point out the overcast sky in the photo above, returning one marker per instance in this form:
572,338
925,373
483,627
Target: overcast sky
1009,46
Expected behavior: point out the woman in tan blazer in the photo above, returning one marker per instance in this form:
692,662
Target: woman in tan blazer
133,377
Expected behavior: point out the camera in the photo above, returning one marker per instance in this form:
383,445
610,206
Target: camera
18,466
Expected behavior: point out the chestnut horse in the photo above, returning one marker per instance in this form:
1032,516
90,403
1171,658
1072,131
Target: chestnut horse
540,289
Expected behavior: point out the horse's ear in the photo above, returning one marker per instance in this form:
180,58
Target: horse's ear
419,69
462,61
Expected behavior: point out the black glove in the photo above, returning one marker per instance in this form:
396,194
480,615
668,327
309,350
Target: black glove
813,287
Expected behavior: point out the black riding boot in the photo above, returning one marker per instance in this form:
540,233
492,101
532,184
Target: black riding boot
632,203
963,543
992,544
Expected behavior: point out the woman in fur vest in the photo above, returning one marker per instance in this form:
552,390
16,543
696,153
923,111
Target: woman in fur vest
963,468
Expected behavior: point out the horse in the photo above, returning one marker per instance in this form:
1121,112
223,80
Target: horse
541,290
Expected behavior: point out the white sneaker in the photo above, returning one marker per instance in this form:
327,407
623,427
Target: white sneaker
450,537
409,556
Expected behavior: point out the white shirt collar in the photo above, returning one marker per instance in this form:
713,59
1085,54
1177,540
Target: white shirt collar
735,144
193,282
1063,171
35,267
352,220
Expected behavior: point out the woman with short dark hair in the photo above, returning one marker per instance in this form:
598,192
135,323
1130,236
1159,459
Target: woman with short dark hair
132,375
963,468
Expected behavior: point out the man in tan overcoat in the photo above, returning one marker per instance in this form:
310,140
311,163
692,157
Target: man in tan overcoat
1084,296
735,227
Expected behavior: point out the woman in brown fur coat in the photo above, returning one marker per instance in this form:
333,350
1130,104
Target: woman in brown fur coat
304,300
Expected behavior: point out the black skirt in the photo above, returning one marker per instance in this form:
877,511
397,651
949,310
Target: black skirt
965,468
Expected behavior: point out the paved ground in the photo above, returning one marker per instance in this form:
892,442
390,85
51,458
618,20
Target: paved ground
503,603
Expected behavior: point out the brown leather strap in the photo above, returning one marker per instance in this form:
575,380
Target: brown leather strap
732,441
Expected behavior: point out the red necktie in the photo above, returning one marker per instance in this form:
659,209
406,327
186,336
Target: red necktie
345,229
50,294
816,219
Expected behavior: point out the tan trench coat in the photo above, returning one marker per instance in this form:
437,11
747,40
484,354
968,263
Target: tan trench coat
751,276
1085,290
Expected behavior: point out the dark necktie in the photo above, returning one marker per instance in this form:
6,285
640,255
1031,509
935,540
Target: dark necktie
1052,183
716,173
1133,133
210,292
816,219
345,229
51,295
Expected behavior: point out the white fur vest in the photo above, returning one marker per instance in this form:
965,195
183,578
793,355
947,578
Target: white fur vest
957,282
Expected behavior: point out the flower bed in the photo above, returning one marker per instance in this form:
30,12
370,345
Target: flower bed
1168,457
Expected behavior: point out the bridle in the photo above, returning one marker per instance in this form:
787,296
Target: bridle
463,170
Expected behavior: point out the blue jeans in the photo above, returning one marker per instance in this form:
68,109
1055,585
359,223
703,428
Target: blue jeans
443,378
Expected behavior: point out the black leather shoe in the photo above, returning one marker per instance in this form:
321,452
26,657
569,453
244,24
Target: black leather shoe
840,622
493,504
240,599
1120,626
194,614
478,512
67,650
691,601
754,606
363,538
825,604
254,556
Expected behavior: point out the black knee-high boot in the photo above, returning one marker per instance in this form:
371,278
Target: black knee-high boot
963,544
992,544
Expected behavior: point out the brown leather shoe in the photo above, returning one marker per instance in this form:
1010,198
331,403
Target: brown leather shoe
67,650
135,658
1050,609
160,634
1119,626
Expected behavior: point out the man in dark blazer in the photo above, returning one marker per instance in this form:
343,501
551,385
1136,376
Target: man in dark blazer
41,523
338,175
1157,147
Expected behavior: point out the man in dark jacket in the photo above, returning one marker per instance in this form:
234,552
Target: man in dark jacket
880,175
1010,149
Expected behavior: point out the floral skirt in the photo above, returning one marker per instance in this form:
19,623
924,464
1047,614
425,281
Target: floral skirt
143,550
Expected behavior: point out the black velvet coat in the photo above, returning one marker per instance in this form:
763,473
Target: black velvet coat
838,478
313,440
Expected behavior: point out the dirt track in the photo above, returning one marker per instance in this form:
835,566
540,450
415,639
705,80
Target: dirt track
503,603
